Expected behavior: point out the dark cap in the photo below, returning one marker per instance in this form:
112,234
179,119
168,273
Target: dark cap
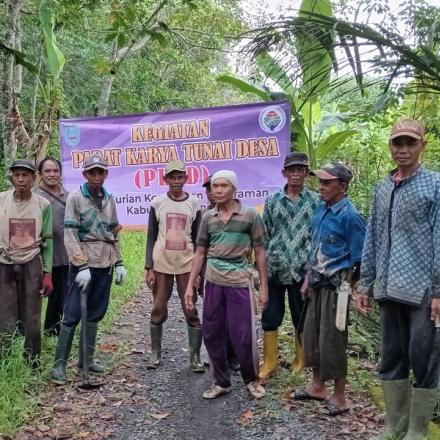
208,182
95,162
333,171
23,163
296,158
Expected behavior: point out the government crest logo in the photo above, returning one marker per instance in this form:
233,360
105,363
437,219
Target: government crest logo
272,119
72,135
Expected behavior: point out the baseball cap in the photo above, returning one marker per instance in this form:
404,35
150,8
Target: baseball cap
296,158
175,165
23,163
408,127
333,171
208,182
95,162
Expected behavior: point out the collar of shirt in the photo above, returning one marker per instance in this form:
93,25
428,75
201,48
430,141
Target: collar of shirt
238,210
284,193
86,192
336,207
394,175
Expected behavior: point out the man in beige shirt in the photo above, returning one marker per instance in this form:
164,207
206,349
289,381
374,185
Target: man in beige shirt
172,228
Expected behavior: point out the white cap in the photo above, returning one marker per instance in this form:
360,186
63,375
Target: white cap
226,174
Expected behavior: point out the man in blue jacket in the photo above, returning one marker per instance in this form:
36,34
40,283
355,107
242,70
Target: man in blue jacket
401,265
336,246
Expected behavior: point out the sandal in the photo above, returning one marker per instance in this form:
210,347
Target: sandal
256,390
215,391
302,394
333,410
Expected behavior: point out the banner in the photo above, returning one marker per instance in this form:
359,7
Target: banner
250,139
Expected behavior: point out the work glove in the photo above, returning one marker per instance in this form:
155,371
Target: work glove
121,274
46,285
83,278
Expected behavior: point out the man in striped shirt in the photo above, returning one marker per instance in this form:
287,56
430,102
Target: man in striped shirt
226,235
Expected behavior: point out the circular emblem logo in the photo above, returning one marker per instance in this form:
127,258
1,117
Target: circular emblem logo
272,119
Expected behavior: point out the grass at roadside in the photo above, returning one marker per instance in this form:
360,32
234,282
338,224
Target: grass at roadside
19,387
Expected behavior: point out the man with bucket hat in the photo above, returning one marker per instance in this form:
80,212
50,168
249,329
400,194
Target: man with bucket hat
287,215
401,269
91,230
172,230
25,259
336,245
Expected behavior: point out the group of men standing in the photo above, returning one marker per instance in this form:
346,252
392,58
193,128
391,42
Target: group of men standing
308,245
318,249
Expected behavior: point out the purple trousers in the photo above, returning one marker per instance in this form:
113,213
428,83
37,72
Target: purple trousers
229,310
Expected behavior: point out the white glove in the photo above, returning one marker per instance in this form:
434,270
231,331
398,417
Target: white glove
83,278
121,274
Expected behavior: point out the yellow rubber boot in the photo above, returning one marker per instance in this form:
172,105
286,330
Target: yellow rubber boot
298,360
270,354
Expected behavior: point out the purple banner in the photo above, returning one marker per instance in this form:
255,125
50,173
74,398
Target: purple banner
250,139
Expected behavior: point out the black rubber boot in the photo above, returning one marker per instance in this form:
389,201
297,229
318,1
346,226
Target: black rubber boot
156,346
92,329
195,342
64,345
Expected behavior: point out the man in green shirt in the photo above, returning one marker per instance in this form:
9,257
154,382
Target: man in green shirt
26,251
287,215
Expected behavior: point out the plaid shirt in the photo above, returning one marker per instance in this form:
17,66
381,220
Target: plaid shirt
288,226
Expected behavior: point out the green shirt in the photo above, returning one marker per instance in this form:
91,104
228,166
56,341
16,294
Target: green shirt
288,226
229,245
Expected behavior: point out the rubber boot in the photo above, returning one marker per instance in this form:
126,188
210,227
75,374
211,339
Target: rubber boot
64,345
270,354
195,342
423,401
92,329
396,395
298,360
156,346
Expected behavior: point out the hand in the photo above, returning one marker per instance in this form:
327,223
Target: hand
121,274
83,278
46,285
435,309
189,294
363,303
305,288
263,298
150,278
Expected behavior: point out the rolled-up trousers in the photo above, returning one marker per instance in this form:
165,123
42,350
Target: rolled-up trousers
20,298
229,310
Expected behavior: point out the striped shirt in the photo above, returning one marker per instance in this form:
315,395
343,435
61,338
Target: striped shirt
89,228
229,245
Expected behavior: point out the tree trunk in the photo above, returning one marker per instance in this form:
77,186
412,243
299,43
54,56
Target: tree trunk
105,94
8,101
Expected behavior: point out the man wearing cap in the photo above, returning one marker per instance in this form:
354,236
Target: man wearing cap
287,215
401,268
336,245
227,234
172,229
25,258
91,229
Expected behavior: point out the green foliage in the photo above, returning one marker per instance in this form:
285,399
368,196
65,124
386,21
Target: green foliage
55,57
20,387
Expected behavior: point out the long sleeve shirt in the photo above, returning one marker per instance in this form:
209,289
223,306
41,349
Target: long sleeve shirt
90,229
338,233
25,230
401,255
288,224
